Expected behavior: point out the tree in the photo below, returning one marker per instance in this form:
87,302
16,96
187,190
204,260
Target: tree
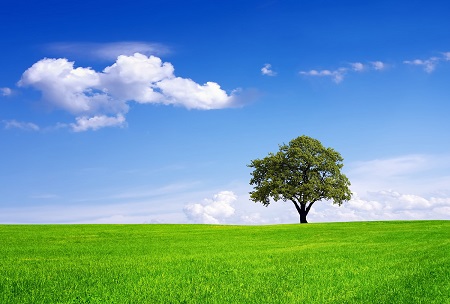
303,172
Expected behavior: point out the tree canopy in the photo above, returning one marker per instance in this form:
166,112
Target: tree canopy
303,172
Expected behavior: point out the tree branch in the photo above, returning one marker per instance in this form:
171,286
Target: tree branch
297,207
309,207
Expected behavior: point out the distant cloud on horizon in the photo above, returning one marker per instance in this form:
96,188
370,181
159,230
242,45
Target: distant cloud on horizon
384,206
384,189
212,211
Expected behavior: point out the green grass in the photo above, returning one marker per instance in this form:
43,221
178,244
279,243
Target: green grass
360,262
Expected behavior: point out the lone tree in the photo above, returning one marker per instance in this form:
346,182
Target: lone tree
302,172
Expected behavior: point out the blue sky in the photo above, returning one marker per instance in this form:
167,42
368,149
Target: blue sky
149,111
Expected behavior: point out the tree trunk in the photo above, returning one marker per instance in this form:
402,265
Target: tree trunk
303,213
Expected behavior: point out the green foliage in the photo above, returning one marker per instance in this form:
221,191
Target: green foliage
303,172
367,262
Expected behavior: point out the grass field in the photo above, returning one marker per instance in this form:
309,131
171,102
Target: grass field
359,262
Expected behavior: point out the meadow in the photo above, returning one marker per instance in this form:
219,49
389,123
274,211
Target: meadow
358,262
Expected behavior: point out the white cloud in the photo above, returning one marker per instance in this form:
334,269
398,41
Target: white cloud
336,75
212,211
267,70
149,80
108,51
383,205
357,66
372,205
5,91
429,65
100,99
85,123
14,124
63,86
136,78
378,65
185,92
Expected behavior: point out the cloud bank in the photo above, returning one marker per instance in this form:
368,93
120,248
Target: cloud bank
383,206
100,99
406,187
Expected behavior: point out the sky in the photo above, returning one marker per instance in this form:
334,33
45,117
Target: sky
150,111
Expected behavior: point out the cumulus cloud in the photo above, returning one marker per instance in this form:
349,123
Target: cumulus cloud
5,91
108,51
100,99
212,211
267,70
14,124
63,86
136,78
185,92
